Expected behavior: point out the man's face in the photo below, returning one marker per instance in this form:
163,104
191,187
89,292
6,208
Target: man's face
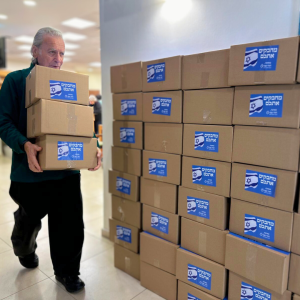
51,52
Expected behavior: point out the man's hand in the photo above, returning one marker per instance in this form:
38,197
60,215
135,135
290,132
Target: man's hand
31,151
99,157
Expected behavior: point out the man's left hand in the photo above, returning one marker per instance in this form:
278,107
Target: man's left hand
99,158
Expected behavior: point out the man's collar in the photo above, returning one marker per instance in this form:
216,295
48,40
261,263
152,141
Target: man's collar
32,65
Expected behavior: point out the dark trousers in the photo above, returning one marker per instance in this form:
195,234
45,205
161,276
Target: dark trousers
62,201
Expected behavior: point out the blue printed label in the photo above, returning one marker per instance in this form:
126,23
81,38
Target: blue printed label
123,185
160,223
69,151
260,183
199,276
266,105
161,106
192,297
260,227
124,234
156,72
261,58
250,292
198,207
128,107
206,141
63,90
158,167
204,175
127,135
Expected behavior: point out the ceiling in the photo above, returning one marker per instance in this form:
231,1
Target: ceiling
26,20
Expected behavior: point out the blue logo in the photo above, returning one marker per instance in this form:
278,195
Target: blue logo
127,135
123,185
204,175
124,234
69,151
206,141
160,222
156,72
161,106
198,207
158,167
199,276
266,105
192,297
128,107
63,90
249,292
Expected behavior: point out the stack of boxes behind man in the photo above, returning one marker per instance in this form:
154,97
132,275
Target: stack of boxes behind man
265,169
124,179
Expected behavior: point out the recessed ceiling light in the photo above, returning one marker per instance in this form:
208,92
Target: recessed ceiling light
29,3
25,47
95,64
69,53
71,46
3,17
70,36
78,23
24,39
27,55
66,59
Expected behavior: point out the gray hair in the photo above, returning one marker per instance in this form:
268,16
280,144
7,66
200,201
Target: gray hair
39,36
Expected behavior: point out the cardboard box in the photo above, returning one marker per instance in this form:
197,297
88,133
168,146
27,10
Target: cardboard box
209,209
158,281
127,261
162,74
263,224
124,185
124,235
186,291
57,85
204,240
240,287
127,160
296,297
267,62
201,273
61,152
294,275
161,223
159,194
296,235
127,211
162,137
128,134
162,167
208,141
268,147
158,252
53,117
271,105
163,107
213,106
126,78
269,187
128,107
206,175
257,262
205,70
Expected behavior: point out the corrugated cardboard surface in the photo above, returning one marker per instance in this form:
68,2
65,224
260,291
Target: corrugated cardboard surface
205,70
294,275
223,171
173,166
268,147
117,100
172,75
224,152
176,107
158,252
235,284
159,194
138,126
208,106
127,261
163,137
126,78
290,107
38,85
283,222
135,235
260,264
285,192
286,68
204,240
296,235
127,211
158,281
185,289
218,208
218,272
127,160
174,224
48,157
53,117
135,185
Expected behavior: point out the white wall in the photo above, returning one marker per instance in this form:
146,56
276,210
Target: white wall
134,30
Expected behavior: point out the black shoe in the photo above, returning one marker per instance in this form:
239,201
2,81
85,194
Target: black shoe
30,261
71,283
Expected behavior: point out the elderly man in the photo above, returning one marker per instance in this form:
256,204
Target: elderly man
38,192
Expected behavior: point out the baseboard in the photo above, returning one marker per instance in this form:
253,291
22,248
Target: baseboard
105,233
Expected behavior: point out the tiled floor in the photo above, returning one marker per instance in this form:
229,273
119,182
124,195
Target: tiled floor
102,280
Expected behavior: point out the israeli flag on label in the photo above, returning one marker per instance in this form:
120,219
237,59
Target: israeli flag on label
192,297
160,223
62,90
123,185
204,175
199,276
206,141
69,151
156,72
249,292
161,106
127,135
158,167
128,107
198,207
124,234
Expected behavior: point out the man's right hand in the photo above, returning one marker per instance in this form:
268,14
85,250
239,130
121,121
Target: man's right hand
31,151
